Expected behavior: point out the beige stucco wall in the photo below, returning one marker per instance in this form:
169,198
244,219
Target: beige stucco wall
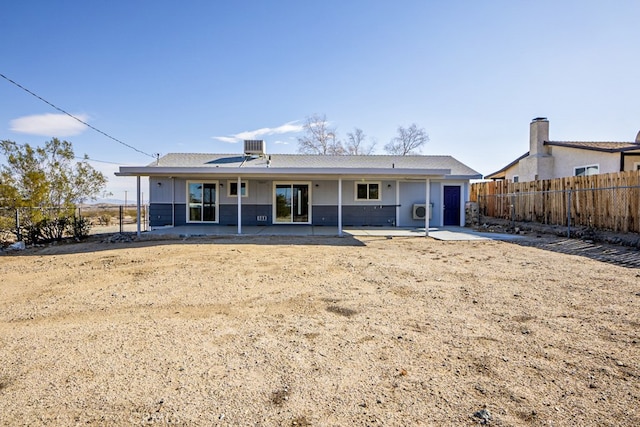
562,163
567,159
511,172
632,162
536,167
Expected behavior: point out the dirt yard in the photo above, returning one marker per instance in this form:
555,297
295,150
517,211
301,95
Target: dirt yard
317,331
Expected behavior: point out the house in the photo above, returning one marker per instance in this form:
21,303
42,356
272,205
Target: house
255,188
548,159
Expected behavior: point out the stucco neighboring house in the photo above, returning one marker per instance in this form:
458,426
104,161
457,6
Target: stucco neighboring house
255,188
548,159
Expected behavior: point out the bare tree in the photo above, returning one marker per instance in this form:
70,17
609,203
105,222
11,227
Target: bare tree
319,137
356,143
409,141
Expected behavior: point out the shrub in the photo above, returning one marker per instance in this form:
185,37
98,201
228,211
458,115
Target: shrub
51,229
104,219
79,228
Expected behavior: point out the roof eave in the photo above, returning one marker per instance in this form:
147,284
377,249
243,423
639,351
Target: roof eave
266,172
499,174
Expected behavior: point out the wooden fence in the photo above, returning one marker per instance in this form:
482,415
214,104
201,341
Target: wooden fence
606,201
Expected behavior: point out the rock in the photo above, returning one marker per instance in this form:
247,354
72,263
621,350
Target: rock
483,415
17,246
120,238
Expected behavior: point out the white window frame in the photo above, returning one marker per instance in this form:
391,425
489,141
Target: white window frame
242,183
636,166
217,203
367,183
516,178
586,168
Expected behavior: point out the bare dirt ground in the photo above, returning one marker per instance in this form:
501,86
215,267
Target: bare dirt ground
317,331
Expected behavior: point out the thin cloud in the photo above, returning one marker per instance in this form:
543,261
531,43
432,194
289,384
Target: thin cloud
229,139
49,125
290,127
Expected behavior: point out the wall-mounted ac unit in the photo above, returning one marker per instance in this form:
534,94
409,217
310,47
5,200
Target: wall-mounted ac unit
420,210
254,147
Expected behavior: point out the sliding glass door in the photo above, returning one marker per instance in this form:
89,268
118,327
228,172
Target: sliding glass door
291,203
203,201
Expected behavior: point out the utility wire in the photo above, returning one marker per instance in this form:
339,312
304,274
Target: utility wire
89,159
74,117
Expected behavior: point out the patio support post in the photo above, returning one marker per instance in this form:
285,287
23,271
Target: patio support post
138,204
427,206
397,202
239,205
340,207
173,202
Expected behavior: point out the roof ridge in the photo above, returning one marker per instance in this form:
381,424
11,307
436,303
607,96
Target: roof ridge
361,155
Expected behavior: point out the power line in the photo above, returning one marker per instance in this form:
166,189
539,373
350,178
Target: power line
98,161
74,117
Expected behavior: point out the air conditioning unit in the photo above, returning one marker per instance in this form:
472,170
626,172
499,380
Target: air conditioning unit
420,211
254,147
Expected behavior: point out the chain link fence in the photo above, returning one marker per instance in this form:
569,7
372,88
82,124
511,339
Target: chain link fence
614,209
15,224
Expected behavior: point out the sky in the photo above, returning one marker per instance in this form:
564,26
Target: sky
199,76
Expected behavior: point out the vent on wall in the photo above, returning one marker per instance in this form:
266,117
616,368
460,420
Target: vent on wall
253,147
420,210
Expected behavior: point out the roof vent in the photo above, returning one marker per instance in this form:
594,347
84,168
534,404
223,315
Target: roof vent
254,147
638,138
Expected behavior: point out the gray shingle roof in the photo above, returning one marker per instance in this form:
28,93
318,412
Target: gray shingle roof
607,146
286,161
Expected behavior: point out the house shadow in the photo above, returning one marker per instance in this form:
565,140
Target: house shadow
108,242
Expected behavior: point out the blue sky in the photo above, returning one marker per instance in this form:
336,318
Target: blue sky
191,76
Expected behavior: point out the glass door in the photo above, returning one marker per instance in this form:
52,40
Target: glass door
300,206
292,203
202,202
283,203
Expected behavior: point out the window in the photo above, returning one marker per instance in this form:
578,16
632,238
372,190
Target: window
636,166
202,201
516,178
586,170
367,191
232,188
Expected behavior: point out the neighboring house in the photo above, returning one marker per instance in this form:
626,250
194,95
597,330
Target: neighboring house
557,159
259,189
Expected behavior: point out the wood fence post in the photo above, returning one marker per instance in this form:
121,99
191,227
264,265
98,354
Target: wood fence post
569,213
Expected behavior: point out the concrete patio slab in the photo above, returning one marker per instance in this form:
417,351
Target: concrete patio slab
462,233
438,233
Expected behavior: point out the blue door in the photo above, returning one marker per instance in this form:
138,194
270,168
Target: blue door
451,205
